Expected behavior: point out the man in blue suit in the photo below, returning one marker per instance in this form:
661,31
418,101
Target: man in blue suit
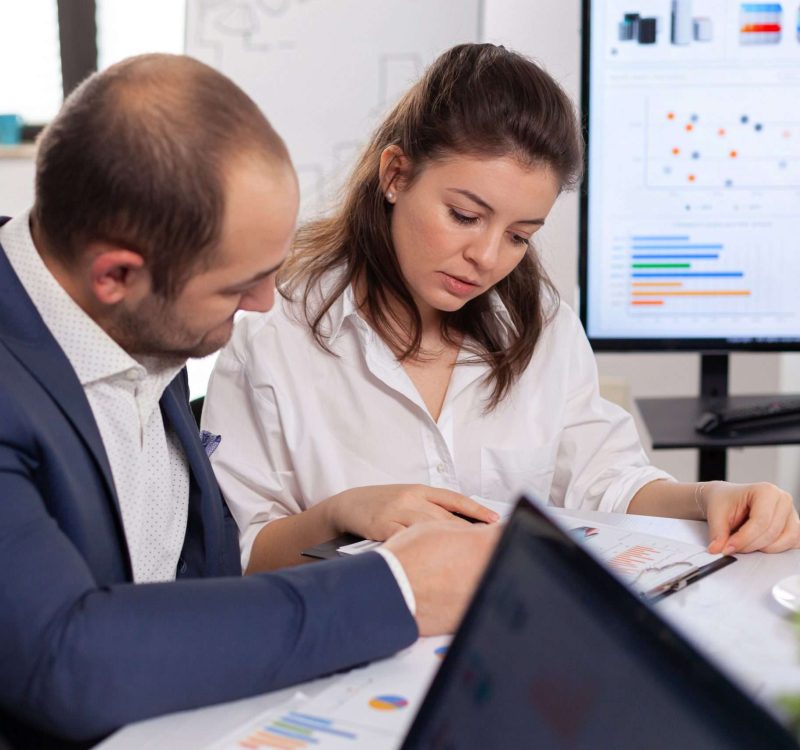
164,203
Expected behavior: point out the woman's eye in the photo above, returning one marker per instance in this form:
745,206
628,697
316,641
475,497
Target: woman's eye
518,239
462,218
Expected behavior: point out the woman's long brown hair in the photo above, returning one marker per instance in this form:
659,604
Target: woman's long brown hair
478,100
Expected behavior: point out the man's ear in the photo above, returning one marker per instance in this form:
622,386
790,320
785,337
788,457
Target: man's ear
116,273
393,171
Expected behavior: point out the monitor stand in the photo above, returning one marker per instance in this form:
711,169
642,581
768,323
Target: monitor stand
670,421
713,462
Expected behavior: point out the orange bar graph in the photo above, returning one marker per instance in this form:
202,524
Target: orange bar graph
261,739
647,302
633,559
686,293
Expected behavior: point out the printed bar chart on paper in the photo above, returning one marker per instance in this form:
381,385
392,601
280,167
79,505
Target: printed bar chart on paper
644,561
295,730
368,707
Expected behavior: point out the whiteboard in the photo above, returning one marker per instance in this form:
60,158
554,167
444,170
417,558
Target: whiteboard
326,71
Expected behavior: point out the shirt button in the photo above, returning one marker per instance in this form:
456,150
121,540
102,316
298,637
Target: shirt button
441,468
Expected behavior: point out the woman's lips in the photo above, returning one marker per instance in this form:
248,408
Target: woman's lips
458,286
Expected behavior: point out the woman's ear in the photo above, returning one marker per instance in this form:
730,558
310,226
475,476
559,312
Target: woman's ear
394,167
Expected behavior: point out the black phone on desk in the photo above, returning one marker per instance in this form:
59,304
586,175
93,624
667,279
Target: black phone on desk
556,653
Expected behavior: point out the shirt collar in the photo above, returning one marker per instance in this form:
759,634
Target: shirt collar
93,354
344,308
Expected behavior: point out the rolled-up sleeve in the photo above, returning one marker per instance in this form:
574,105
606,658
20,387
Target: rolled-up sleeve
601,463
252,463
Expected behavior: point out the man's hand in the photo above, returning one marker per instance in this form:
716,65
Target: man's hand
378,512
749,517
443,562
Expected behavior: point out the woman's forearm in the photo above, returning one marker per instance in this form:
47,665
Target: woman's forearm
280,542
671,499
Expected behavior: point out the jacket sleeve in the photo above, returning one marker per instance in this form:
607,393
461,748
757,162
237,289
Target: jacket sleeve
80,660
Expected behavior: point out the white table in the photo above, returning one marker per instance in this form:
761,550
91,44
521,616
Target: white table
730,615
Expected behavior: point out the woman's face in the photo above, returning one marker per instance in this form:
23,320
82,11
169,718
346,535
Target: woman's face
463,224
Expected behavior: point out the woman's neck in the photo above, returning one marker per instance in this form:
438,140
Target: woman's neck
432,340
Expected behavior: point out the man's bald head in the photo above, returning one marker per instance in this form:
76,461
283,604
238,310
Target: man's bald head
137,157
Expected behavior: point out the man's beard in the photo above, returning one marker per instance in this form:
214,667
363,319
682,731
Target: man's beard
153,330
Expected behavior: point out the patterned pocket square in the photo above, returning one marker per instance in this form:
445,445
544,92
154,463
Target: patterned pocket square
210,441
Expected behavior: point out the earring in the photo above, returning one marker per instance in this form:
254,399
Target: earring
390,196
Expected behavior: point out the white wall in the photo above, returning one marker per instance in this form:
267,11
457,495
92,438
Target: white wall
549,31
16,184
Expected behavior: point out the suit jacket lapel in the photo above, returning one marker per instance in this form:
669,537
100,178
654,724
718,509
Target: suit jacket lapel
205,504
25,335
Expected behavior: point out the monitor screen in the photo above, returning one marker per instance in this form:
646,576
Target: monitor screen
690,217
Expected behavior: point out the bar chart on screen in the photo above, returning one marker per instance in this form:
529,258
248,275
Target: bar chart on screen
673,268
701,276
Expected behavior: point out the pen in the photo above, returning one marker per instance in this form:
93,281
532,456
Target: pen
657,593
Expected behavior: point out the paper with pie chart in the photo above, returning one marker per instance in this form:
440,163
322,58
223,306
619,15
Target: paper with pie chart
368,707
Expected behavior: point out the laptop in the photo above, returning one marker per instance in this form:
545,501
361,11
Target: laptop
555,652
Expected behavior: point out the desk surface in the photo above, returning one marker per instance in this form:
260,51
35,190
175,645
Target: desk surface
670,422
730,615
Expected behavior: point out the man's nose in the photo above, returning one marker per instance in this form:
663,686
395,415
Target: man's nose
260,298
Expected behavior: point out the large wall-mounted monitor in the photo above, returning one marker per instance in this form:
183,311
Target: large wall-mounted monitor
690,217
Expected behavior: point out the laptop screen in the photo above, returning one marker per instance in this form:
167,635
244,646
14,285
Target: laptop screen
556,653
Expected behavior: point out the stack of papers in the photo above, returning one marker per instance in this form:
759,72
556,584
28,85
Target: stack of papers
652,565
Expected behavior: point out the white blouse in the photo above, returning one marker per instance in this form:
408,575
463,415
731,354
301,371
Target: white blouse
299,424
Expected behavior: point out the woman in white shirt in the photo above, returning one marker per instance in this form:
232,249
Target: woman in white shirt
419,354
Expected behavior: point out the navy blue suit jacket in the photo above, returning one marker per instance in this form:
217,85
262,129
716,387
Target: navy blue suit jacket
82,649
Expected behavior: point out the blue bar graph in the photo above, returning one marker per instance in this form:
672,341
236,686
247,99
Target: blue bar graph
689,274
708,256
682,246
661,238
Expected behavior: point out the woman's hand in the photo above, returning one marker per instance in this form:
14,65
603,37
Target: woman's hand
749,517
379,511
